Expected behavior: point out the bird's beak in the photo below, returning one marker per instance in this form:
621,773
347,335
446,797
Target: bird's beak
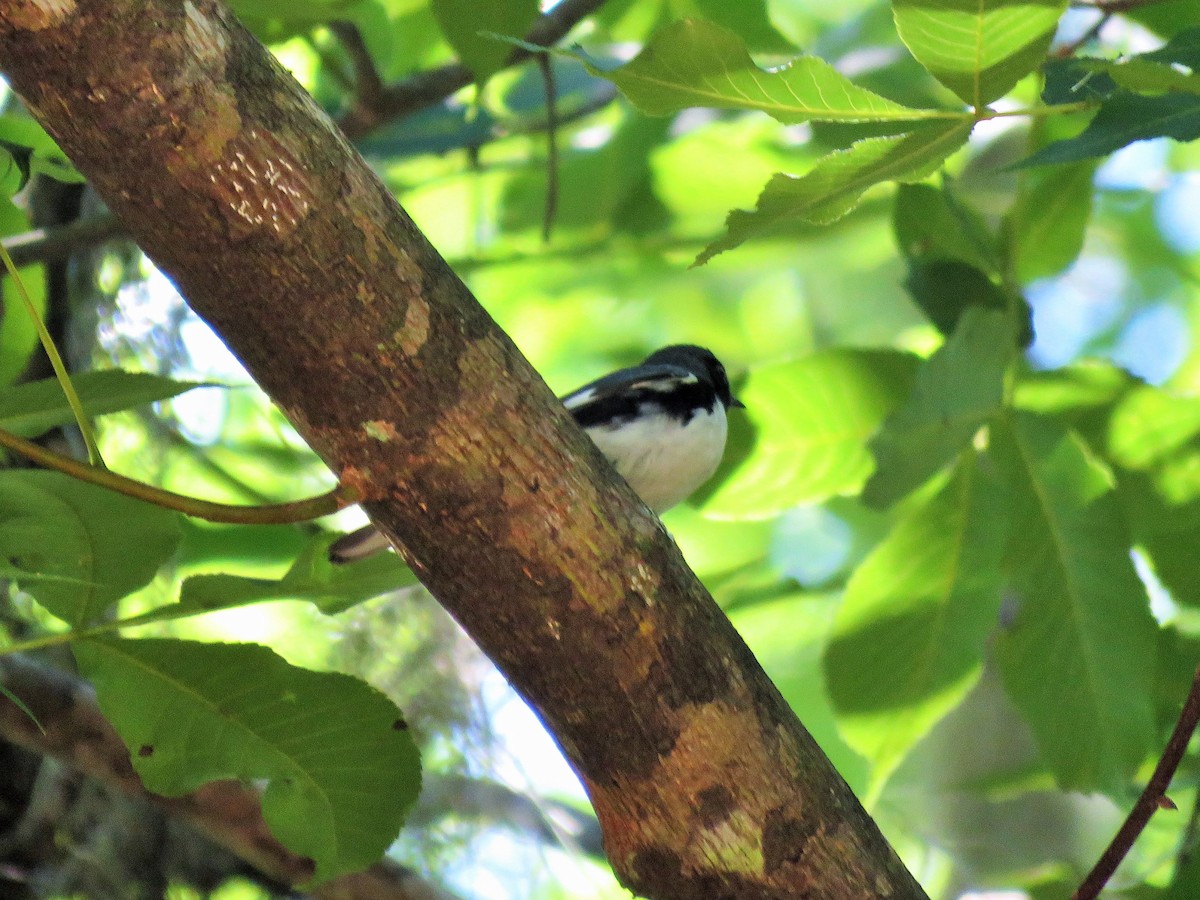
735,403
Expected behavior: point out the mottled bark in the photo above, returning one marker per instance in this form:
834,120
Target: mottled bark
233,180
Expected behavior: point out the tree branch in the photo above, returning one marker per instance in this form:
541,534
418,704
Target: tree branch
703,780
1153,798
432,86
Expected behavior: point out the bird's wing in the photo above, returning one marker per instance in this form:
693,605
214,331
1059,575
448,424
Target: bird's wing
620,395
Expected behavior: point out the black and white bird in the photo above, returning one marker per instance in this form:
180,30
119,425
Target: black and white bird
661,424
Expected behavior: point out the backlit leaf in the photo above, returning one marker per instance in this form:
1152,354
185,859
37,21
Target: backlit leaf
1079,656
33,408
978,48
812,418
696,63
907,644
836,183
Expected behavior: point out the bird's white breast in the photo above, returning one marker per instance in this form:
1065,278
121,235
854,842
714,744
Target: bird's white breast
663,459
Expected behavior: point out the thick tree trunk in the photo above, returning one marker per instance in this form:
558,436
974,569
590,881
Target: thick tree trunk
235,183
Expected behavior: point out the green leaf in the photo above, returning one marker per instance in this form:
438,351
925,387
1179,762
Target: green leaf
1124,119
468,26
945,289
18,334
931,225
812,418
332,589
907,644
696,63
1167,533
80,548
957,391
978,48
35,407
1150,424
1088,384
29,141
1079,656
341,765
836,182
750,19
1047,222
1169,68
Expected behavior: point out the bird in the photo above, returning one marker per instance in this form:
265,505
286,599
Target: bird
662,424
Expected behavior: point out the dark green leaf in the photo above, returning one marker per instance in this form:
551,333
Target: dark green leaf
836,183
944,290
932,226
35,407
341,765
978,48
1166,532
957,391
812,419
1124,119
907,644
82,547
1079,656
1075,80
468,27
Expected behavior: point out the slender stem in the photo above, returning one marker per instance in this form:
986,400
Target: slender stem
60,370
551,144
1058,109
1153,797
161,614
270,514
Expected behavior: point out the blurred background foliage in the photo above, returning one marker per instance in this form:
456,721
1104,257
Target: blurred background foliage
996,707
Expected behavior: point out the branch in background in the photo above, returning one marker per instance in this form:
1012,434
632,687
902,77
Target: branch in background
1154,797
554,823
368,86
427,88
228,812
45,245
543,60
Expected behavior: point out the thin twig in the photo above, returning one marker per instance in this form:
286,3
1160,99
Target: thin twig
267,514
551,145
430,87
1153,797
44,245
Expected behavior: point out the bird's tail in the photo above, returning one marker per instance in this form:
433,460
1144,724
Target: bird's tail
366,541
